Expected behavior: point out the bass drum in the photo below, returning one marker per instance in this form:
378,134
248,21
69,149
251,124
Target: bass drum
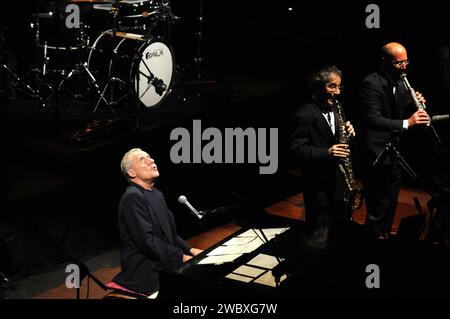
142,68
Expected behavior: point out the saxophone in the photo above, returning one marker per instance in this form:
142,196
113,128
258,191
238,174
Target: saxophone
353,195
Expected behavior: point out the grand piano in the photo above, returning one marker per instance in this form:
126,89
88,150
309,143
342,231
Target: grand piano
271,257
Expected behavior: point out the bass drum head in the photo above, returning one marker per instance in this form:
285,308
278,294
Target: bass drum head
157,59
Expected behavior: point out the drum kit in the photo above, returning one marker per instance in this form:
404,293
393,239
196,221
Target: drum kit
118,54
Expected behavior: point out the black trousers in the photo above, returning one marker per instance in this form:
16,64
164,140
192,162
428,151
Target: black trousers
323,210
381,188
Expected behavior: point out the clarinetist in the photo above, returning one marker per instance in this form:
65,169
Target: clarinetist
384,105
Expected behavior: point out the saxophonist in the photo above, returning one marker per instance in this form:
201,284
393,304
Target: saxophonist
384,105
315,146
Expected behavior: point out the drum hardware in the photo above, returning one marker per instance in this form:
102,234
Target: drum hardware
111,103
199,60
63,71
20,84
23,85
152,80
140,75
138,66
149,66
115,15
197,82
81,68
131,36
114,33
43,90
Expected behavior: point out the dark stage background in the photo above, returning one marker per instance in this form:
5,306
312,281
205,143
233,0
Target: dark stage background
257,55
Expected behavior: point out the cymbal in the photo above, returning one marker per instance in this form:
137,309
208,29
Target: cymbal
103,6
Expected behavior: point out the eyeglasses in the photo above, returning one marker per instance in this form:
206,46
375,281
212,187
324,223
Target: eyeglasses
398,63
334,86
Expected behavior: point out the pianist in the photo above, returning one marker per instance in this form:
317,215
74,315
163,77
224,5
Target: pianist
147,229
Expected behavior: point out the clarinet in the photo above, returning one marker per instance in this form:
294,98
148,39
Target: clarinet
419,105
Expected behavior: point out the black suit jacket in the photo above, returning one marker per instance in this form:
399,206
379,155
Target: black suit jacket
310,139
382,114
149,239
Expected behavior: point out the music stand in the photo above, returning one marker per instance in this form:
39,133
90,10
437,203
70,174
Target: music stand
413,225
390,149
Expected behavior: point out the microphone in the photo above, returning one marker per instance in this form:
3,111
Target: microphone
437,118
159,85
183,200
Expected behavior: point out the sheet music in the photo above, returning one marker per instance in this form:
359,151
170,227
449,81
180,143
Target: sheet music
244,243
268,232
248,271
264,261
239,278
217,260
258,270
272,232
237,241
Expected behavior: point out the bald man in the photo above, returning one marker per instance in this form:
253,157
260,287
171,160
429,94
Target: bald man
387,111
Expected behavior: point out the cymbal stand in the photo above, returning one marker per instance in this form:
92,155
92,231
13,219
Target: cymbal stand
41,73
81,68
20,84
102,94
111,82
199,59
